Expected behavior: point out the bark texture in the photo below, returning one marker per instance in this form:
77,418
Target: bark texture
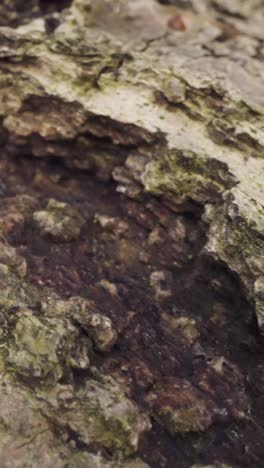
132,136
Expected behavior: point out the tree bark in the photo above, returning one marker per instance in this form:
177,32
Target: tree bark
132,166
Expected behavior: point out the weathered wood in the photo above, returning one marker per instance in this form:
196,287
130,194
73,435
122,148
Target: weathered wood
167,103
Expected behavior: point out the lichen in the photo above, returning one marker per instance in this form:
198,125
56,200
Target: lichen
102,414
60,221
84,313
180,175
43,349
175,117
236,237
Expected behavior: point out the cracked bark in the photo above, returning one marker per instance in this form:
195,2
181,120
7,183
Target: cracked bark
163,106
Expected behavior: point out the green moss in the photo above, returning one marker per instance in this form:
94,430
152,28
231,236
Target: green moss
44,349
186,175
34,352
113,433
103,415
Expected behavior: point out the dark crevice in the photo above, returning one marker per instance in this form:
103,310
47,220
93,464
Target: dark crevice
201,289
50,6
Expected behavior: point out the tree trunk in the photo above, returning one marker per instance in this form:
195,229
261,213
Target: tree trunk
132,235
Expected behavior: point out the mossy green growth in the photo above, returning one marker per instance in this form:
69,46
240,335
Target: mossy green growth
34,352
236,235
15,293
187,176
236,238
244,241
89,460
43,349
103,415
133,463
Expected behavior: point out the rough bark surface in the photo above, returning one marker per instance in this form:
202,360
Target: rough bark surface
132,233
